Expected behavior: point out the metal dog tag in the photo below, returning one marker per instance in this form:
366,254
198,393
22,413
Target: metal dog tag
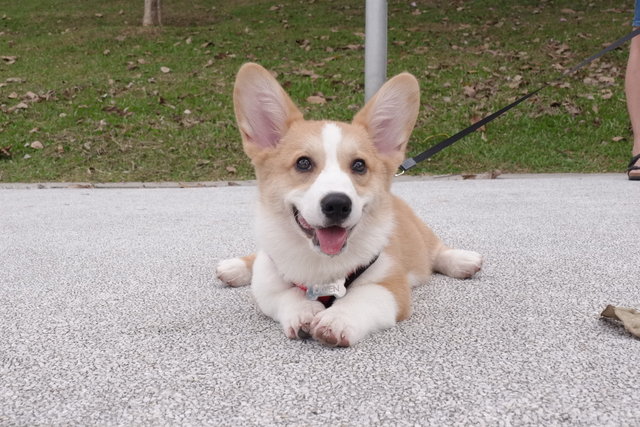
335,289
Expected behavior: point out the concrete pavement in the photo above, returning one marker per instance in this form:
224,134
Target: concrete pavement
110,313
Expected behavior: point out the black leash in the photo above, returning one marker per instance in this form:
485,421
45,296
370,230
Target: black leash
413,161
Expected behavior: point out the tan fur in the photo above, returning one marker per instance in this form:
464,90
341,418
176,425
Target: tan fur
397,284
248,260
413,246
276,173
374,136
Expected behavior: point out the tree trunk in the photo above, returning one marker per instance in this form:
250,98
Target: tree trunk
152,13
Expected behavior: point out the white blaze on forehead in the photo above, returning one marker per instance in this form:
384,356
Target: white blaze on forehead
332,177
331,138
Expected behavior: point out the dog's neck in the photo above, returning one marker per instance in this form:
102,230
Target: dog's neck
328,300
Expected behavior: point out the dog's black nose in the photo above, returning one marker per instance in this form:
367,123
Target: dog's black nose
336,207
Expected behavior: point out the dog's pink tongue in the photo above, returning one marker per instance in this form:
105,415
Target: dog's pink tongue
332,239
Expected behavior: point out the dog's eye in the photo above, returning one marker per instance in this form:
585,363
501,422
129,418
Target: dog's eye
359,166
304,164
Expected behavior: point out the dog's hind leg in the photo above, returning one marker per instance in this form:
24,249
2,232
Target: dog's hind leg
457,263
236,271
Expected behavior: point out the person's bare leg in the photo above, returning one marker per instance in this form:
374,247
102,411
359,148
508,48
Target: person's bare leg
632,91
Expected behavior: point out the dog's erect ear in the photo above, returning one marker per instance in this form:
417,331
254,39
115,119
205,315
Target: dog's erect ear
390,115
263,110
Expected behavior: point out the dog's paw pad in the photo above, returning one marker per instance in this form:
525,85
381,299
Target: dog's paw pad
234,272
329,337
334,328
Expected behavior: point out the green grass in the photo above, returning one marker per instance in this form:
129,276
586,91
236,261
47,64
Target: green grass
104,110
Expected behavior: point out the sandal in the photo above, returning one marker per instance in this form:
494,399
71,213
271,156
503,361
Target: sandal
634,171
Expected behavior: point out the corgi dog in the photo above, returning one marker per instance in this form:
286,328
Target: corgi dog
326,219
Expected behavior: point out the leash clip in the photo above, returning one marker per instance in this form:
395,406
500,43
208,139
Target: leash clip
405,166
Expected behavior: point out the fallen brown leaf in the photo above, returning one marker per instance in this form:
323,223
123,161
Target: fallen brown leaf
304,44
316,99
629,317
606,94
308,73
353,47
606,79
116,110
572,108
189,122
36,145
9,59
469,91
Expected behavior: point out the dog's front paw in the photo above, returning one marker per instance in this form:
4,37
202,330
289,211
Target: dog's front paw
234,272
335,327
296,319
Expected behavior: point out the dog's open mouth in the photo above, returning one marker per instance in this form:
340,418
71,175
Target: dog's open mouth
330,240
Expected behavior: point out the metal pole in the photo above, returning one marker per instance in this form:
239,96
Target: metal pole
375,47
